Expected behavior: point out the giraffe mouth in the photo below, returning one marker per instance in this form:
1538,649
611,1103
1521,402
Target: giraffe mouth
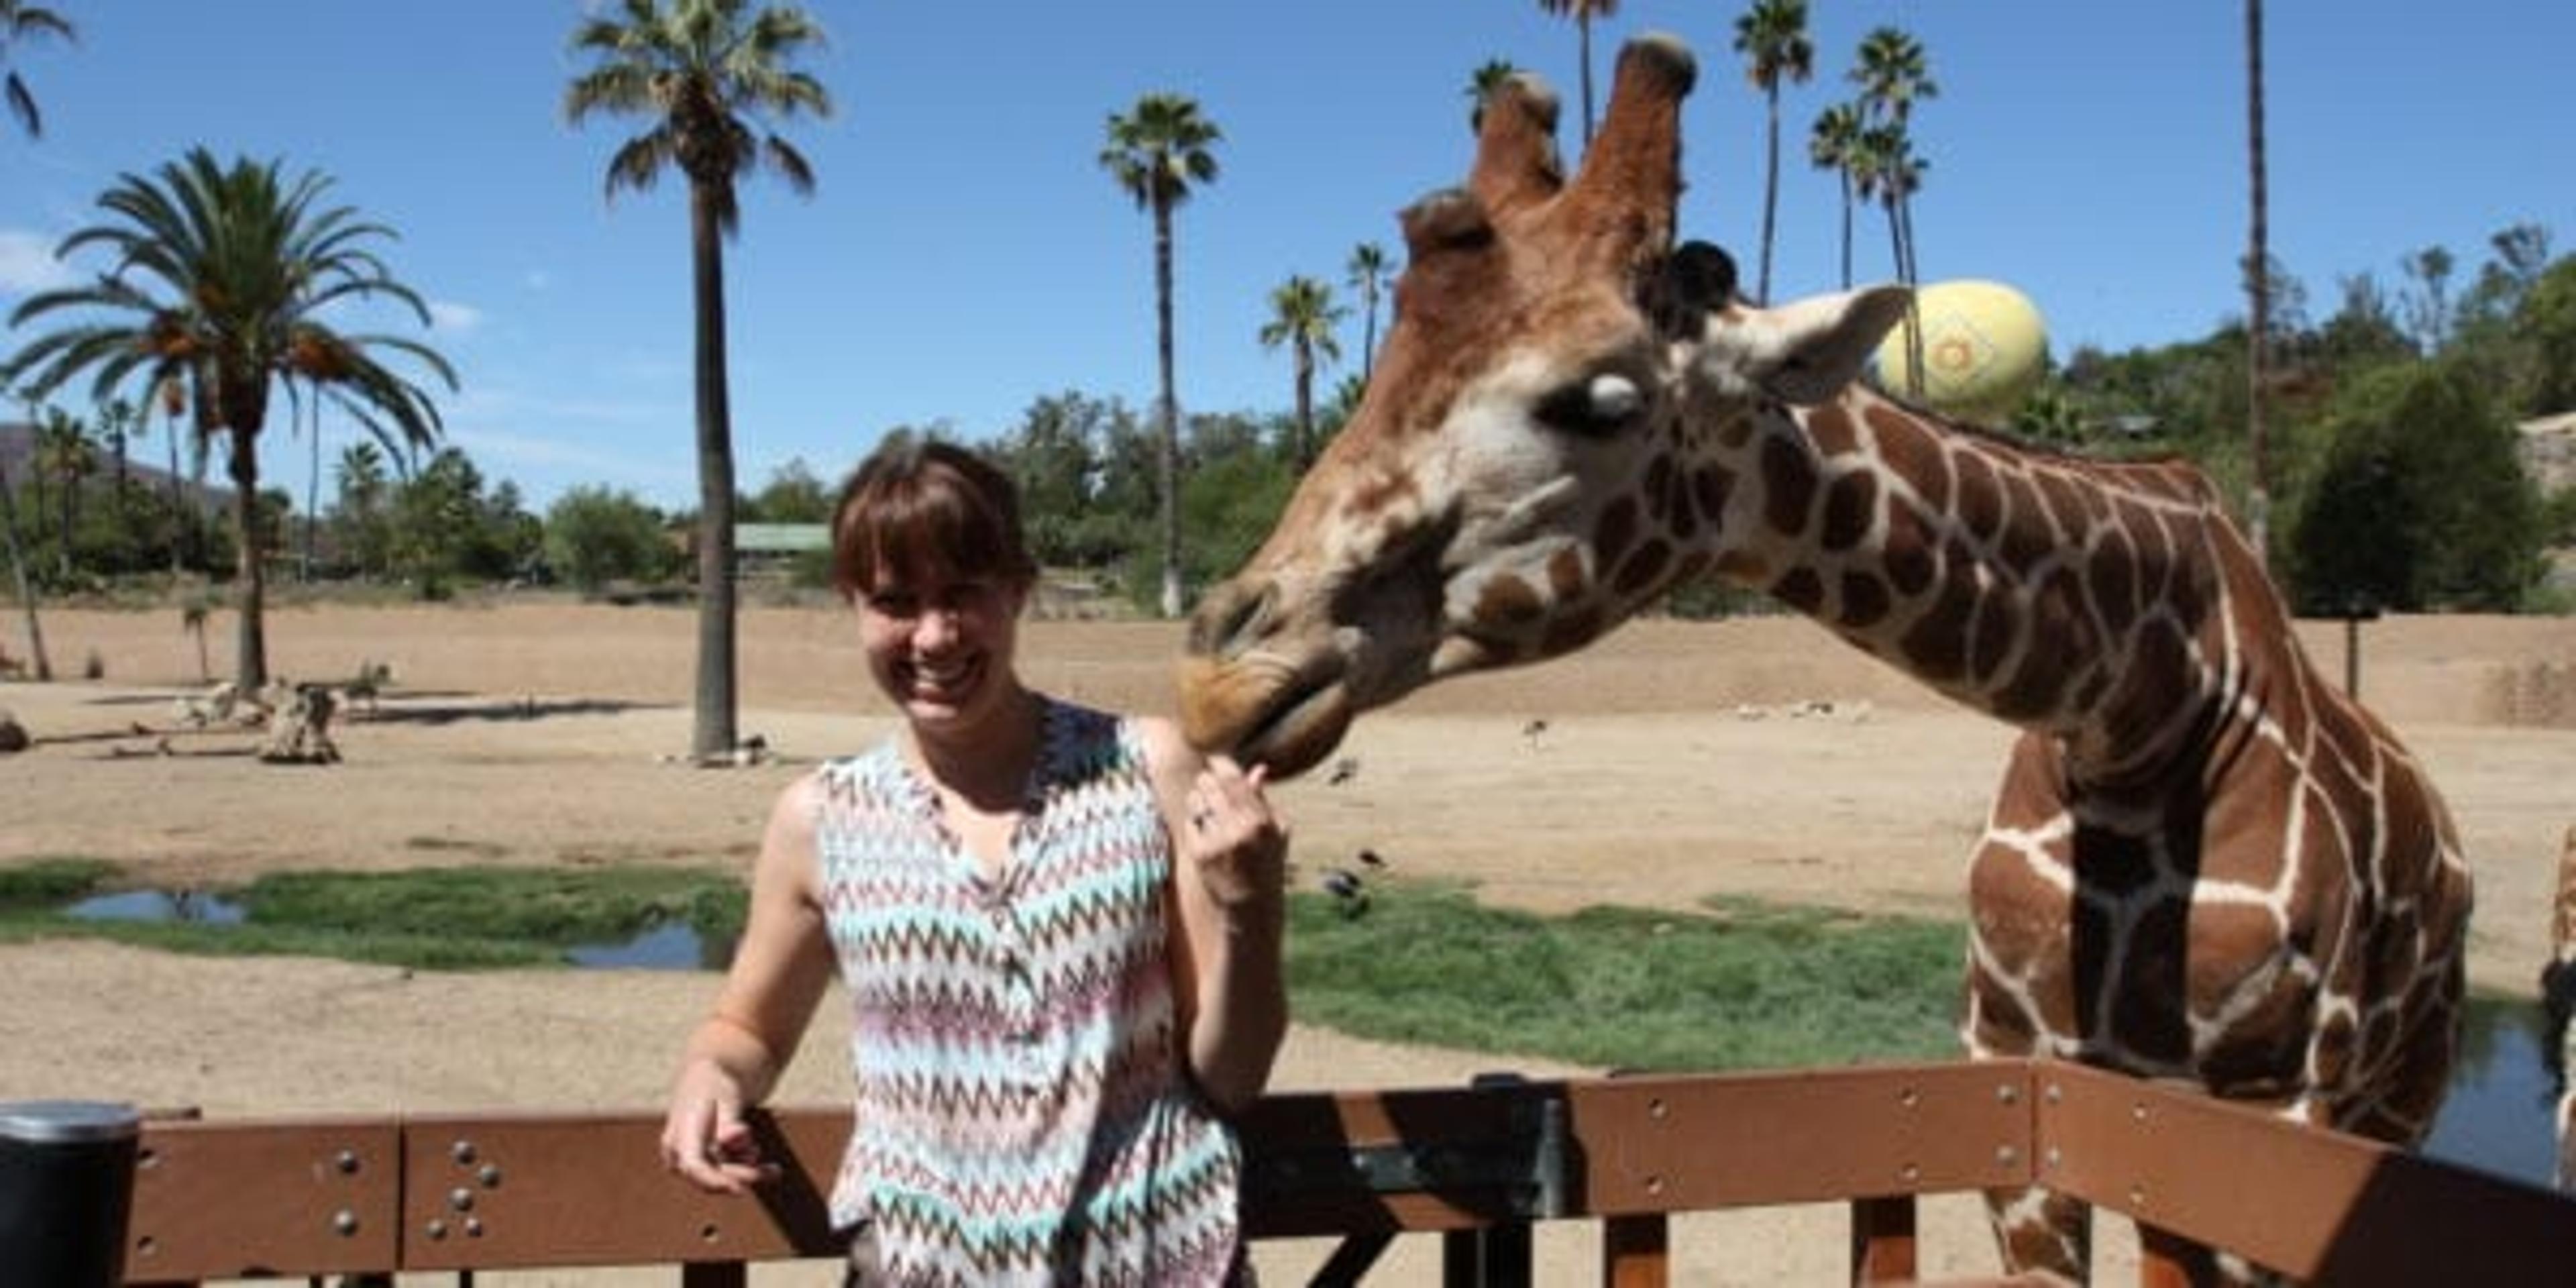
1298,729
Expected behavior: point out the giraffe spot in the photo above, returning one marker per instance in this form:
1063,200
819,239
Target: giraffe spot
1906,550
2147,1016
1710,484
1851,505
1831,429
1800,589
1643,568
2158,669
2065,502
1937,642
1567,579
2061,637
1744,568
1695,565
2112,863
2333,1046
1735,433
1979,505
1507,601
2020,916
2027,537
1659,489
1616,529
1913,453
1788,486
1864,601
1992,636
2112,574
1573,631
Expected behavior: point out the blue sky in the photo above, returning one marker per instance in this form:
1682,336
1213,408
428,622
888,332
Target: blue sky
964,254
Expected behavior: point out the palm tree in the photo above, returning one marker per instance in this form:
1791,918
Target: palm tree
2258,290
118,423
1583,12
1367,274
20,22
170,390
44,667
1156,152
1482,86
65,455
360,477
1302,316
702,71
1833,144
227,272
1772,36
1894,74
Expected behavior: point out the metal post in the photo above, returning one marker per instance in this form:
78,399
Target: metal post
66,1190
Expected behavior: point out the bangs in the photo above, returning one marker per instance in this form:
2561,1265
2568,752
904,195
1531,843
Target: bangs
941,520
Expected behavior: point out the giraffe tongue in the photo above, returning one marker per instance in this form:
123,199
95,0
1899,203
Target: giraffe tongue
1299,735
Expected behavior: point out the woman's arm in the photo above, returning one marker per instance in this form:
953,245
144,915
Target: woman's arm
1229,862
779,973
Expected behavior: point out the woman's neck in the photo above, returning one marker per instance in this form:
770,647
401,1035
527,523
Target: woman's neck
986,764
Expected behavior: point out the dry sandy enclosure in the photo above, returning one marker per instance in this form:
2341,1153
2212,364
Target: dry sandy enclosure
1675,761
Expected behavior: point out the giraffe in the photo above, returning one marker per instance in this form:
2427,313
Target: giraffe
2202,863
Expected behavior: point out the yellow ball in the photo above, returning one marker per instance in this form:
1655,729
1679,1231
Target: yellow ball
1984,348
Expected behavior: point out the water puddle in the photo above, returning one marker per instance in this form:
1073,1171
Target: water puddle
160,905
669,946
2498,1117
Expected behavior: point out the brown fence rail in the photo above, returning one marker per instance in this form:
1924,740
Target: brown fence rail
467,1192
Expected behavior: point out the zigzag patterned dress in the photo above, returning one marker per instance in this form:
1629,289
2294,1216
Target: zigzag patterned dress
1022,1115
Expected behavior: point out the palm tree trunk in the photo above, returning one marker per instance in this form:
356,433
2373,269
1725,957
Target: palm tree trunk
250,669
44,669
313,485
1168,410
1912,273
1368,333
1847,228
713,730
2258,280
1770,193
1305,404
177,505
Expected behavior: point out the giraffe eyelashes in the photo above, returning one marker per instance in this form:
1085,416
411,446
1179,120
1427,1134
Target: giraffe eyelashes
1595,408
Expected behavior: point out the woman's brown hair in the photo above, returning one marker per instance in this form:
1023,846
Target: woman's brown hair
919,507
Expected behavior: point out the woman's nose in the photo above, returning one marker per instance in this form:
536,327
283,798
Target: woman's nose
935,627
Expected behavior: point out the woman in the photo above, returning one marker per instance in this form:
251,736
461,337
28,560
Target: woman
1060,932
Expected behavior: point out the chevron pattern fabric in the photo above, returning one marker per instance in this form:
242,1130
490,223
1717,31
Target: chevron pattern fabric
1022,1115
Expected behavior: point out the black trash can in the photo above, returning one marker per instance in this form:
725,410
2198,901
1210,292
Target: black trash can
66,1191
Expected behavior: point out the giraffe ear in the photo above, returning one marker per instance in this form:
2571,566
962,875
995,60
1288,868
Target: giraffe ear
1816,346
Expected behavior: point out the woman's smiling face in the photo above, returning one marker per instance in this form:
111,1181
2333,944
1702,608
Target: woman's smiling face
940,644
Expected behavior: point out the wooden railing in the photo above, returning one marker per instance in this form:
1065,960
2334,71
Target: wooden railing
467,1192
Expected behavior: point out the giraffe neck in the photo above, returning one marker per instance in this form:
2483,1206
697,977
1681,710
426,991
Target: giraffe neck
2092,600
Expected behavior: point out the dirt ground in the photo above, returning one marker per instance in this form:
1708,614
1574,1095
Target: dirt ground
1672,762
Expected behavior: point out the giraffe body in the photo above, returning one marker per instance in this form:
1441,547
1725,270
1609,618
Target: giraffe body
2203,862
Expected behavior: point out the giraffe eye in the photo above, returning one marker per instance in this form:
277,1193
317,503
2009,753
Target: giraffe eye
1597,407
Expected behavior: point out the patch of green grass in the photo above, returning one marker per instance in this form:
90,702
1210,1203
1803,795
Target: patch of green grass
455,918
49,881
1744,986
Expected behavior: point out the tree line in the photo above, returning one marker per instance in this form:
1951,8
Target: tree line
2394,462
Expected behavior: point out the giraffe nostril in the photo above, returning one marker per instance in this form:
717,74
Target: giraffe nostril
1231,617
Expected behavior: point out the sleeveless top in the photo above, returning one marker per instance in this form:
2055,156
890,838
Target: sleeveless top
1022,1115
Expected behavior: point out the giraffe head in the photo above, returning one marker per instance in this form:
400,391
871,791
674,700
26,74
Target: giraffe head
1507,489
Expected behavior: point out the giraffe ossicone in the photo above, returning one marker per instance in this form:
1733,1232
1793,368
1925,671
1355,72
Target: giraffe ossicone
2203,862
